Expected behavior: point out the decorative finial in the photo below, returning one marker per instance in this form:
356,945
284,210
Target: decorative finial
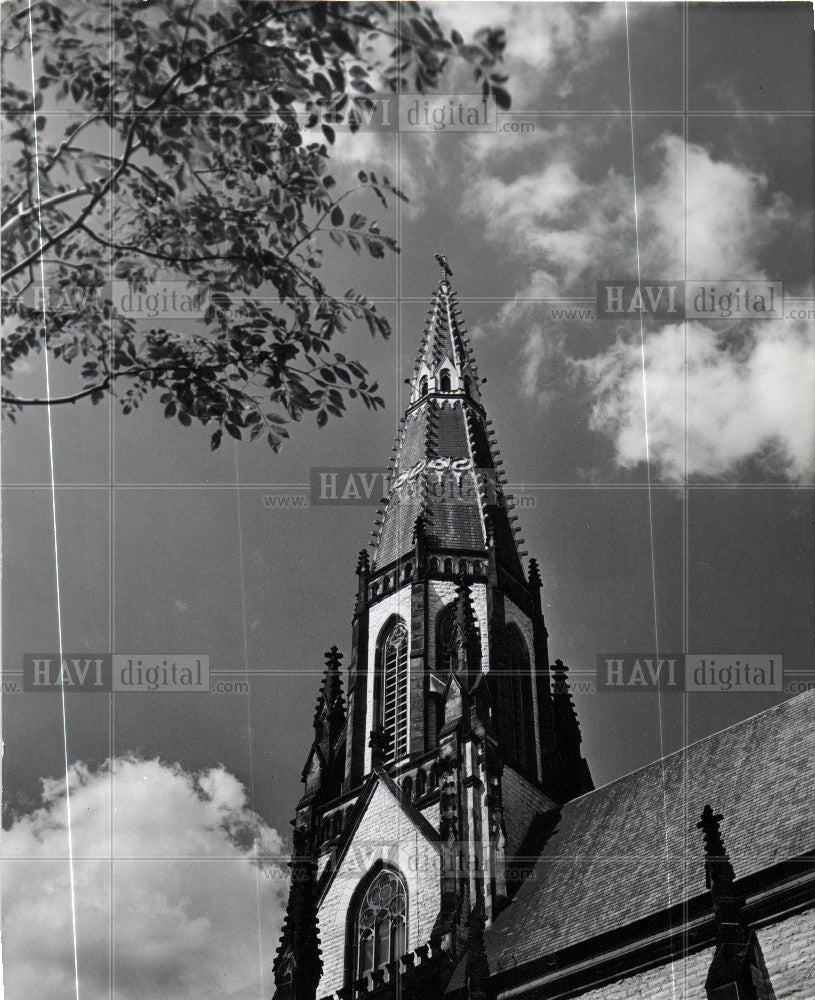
445,267
535,574
465,613
380,744
419,529
718,867
333,658
362,562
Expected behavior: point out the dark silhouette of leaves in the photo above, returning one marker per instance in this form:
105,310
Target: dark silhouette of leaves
193,171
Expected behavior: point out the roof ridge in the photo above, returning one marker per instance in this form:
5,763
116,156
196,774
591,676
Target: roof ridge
703,739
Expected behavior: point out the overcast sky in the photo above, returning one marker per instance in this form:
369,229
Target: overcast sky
175,558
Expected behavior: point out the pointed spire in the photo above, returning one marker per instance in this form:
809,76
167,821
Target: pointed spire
298,964
363,569
330,700
560,677
465,612
574,771
467,634
718,869
445,467
477,969
720,878
737,967
444,341
419,529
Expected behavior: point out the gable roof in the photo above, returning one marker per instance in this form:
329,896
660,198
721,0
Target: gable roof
376,777
631,849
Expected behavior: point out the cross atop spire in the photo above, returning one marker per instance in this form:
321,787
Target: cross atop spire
445,267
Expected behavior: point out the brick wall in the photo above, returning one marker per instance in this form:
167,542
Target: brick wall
789,954
683,980
385,833
788,947
431,814
443,592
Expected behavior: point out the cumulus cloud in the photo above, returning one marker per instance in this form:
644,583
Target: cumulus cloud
547,45
753,400
727,213
575,230
568,228
184,908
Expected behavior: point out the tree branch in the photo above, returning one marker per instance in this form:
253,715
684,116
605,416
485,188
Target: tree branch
86,211
104,384
52,159
48,203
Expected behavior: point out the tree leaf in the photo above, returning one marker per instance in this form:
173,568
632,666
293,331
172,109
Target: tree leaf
502,98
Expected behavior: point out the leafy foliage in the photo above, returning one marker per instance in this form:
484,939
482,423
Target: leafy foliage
192,141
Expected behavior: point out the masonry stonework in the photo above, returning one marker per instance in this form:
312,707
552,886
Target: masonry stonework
384,834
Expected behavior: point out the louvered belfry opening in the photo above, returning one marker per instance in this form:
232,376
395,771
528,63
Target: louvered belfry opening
395,691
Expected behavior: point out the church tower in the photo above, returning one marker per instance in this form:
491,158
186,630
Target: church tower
455,740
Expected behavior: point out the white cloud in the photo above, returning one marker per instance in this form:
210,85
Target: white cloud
562,224
185,889
547,44
742,402
576,230
727,213
569,231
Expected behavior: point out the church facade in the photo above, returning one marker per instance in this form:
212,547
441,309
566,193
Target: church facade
450,841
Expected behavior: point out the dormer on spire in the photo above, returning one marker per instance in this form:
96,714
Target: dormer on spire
445,364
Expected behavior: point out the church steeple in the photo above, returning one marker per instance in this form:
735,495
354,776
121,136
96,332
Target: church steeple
445,544
446,467
451,730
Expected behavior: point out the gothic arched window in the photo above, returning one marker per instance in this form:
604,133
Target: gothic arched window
394,690
520,732
444,381
380,929
447,650
423,387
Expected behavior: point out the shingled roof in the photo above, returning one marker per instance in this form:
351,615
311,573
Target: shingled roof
445,465
631,848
